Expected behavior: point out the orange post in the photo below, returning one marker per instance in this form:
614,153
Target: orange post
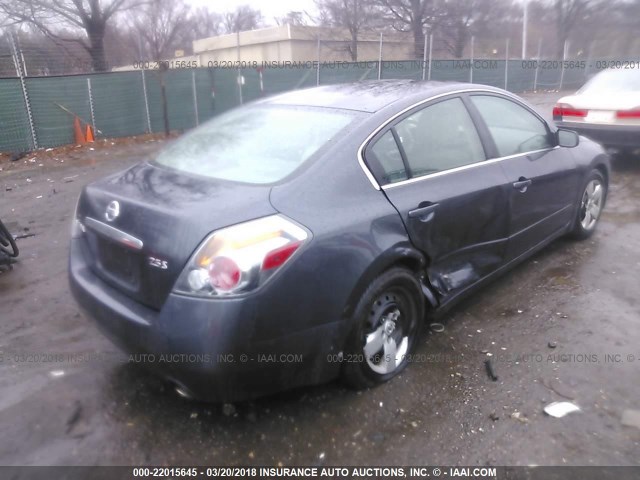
77,129
89,135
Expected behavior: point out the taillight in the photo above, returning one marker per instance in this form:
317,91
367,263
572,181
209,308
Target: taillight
224,274
240,258
563,110
625,114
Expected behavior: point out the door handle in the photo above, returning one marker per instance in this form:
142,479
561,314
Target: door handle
522,184
425,213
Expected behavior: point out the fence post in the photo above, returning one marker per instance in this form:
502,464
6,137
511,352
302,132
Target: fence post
506,66
525,21
587,69
93,117
564,57
424,57
430,55
318,62
239,69
380,59
195,96
535,76
146,102
23,85
471,61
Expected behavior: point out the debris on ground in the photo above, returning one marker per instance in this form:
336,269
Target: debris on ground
518,416
556,390
437,327
494,417
560,409
631,418
23,235
552,344
228,409
490,371
75,416
17,156
56,373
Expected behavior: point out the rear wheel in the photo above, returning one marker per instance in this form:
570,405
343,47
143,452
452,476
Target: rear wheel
388,320
591,204
8,245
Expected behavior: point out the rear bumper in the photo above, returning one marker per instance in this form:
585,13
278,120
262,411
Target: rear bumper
613,136
206,346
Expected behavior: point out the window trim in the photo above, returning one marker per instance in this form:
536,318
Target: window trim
461,93
464,167
482,124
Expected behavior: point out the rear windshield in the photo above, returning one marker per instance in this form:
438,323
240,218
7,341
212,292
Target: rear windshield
619,80
256,144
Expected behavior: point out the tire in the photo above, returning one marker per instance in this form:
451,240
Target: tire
8,245
387,320
591,203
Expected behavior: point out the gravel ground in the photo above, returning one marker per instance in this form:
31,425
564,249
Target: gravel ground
70,398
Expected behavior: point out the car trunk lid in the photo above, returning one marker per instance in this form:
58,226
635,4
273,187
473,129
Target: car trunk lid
162,216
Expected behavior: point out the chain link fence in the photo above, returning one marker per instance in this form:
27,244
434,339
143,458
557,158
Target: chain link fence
39,111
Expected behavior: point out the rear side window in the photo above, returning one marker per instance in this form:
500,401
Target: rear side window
514,128
386,160
256,144
436,138
440,137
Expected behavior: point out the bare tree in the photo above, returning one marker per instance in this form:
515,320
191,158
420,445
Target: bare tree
354,15
295,18
204,23
160,23
460,19
414,16
53,16
568,14
242,19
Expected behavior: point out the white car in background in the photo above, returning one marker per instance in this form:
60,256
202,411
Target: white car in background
606,109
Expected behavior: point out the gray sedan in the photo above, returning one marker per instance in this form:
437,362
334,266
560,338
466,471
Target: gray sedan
307,236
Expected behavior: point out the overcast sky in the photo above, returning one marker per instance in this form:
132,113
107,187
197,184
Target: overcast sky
269,9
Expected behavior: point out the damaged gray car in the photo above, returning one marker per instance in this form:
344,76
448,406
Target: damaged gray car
308,235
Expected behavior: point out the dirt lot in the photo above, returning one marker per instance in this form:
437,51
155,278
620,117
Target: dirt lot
92,407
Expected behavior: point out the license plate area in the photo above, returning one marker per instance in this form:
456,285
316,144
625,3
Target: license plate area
600,116
119,264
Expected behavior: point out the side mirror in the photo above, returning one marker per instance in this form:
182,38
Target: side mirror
567,138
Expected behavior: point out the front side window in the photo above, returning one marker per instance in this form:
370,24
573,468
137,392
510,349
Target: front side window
259,144
514,128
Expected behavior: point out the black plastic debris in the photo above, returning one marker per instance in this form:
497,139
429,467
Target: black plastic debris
490,371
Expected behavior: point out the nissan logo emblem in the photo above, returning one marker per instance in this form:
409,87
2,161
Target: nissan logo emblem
113,211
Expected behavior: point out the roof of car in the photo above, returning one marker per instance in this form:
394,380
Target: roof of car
368,96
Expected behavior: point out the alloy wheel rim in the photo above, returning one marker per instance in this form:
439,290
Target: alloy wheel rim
591,204
386,341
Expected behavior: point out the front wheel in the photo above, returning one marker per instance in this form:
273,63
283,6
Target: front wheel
591,204
387,324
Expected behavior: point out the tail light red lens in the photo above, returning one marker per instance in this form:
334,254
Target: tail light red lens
277,257
240,258
224,274
563,110
625,114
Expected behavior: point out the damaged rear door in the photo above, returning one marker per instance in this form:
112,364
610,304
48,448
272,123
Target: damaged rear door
433,169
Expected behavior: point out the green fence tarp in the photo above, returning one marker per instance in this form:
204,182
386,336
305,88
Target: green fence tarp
194,96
